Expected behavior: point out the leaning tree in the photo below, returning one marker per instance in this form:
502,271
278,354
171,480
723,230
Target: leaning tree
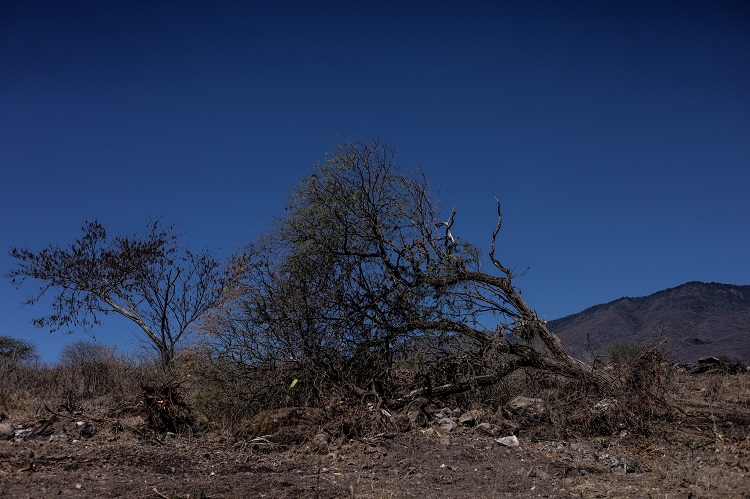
150,279
364,272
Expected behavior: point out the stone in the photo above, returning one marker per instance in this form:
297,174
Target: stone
6,431
417,418
527,407
87,429
320,442
443,413
471,417
487,429
604,405
447,424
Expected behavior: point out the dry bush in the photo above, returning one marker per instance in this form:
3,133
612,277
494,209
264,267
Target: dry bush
107,383
104,385
624,353
230,394
166,410
22,387
575,408
227,392
638,408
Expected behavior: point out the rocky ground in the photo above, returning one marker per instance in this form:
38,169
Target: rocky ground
704,451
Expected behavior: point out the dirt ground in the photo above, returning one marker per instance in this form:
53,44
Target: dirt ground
704,452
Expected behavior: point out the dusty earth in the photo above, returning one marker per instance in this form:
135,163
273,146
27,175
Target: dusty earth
704,452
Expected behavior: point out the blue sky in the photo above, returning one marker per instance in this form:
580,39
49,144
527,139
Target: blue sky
616,134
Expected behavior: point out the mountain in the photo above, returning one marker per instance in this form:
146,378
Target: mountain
696,319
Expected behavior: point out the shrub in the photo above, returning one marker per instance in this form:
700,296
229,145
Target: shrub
624,353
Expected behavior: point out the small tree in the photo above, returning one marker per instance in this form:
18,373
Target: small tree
148,278
83,352
91,363
16,357
15,350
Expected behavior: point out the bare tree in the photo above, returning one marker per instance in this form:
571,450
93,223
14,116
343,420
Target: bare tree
149,279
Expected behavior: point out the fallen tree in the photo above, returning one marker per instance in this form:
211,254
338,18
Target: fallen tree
363,276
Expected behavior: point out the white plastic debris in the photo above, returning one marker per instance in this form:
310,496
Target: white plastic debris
509,441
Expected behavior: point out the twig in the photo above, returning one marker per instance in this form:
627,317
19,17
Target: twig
46,424
57,414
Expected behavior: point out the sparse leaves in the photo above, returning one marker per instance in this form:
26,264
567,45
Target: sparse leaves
149,279
13,350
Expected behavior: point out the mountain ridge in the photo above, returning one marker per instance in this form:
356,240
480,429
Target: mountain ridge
692,320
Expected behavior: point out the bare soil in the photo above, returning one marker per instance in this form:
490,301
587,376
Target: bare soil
703,452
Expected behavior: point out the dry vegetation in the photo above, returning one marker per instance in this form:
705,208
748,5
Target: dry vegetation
676,432
360,348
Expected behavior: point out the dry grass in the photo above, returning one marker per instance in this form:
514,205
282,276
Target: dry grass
112,382
685,434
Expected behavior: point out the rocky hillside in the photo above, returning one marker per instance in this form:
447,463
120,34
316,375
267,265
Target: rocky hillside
696,319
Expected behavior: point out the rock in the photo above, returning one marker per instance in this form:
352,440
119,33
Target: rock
417,418
604,405
709,361
487,429
470,418
60,436
447,424
6,431
402,423
443,413
527,407
509,441
26,433
87,429
320,442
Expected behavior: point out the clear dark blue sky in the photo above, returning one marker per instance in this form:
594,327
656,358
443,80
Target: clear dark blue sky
616,134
